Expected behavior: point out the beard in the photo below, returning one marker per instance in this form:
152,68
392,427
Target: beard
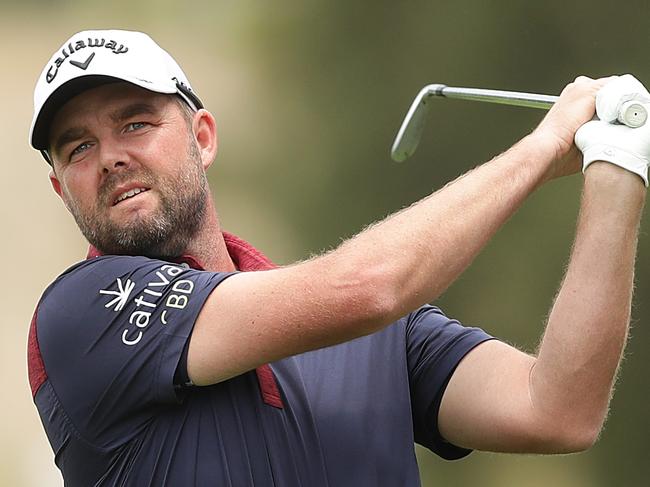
166,232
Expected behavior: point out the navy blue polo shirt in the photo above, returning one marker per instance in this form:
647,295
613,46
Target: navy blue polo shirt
107,357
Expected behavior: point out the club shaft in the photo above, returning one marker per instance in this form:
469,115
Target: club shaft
515,98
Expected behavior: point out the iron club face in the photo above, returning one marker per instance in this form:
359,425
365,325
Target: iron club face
410,132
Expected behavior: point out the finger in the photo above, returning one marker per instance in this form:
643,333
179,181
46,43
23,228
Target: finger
600,82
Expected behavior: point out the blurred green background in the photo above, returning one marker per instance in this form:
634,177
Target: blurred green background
308,97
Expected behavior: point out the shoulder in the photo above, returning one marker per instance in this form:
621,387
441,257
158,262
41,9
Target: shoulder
433,319
102,289
437,343
111,307
109,265
92,275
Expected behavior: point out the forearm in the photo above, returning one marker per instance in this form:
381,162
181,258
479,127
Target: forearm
572,378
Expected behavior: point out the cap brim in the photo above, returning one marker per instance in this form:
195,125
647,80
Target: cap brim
40,133
63,94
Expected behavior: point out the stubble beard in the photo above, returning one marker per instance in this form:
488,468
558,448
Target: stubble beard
163,234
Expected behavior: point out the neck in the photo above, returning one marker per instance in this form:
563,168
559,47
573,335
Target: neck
208,246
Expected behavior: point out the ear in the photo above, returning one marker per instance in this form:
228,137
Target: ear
56,186
205,133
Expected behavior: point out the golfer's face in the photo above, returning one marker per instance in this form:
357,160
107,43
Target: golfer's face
128,169
111,146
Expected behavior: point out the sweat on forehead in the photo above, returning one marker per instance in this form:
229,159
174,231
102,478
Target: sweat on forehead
92,58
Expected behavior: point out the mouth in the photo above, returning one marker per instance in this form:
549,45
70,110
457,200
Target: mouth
129,194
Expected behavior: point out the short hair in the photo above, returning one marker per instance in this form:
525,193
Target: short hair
186,110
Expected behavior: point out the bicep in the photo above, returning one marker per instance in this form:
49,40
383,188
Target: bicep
254,318
487,404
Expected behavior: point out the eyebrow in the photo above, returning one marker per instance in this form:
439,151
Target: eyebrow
140,108
66,137
124,113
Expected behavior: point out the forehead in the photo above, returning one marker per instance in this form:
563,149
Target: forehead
102,101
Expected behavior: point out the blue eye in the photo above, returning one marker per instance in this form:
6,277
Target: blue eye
80,148
135,126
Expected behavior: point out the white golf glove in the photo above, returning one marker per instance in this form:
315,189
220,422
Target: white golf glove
622,91
607,140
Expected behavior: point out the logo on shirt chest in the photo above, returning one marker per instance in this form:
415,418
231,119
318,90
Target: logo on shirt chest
158,293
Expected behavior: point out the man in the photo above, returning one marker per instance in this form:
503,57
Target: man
149,360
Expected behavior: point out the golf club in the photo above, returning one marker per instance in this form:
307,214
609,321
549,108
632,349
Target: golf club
631,113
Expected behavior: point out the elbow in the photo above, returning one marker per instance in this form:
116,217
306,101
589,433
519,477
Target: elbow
579,441
368,297
588,435
571,438
378,304
383,309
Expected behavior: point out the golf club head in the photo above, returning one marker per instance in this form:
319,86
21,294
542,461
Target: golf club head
412,127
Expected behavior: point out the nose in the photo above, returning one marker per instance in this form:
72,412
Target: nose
113,157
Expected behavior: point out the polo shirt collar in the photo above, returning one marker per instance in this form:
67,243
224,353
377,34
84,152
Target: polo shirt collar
244,255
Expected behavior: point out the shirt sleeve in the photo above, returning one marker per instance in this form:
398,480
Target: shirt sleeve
111,332
435,346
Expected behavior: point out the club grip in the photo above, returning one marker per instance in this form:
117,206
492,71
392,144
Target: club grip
632,113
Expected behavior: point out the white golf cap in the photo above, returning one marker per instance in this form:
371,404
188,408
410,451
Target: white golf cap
94,57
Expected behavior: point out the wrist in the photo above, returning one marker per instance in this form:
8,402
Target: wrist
552,156
616,195
626,160
604,174
546,145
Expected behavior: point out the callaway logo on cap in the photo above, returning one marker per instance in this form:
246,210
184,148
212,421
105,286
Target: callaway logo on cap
94,57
